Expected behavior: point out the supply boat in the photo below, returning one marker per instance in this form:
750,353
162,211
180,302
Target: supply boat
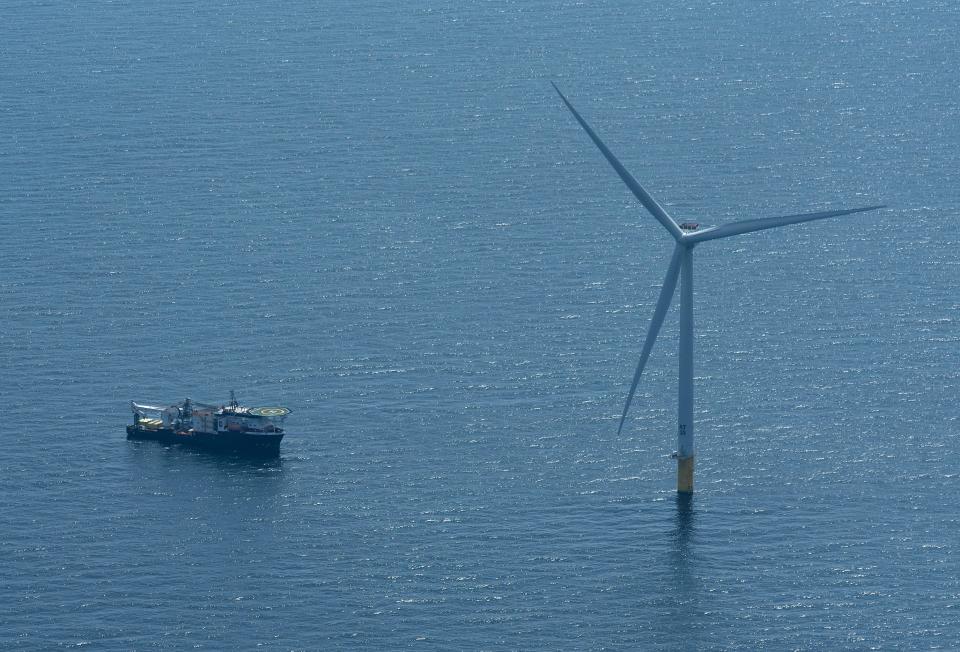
229,428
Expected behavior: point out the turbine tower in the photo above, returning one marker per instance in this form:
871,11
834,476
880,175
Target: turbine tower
687,235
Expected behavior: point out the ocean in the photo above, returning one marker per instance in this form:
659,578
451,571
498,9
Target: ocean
381,216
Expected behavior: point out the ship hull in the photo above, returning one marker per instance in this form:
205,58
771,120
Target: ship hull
236,443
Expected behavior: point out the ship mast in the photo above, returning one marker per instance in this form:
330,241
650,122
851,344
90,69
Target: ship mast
187,414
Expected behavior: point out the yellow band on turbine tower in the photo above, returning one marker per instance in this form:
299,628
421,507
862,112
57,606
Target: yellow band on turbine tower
685,475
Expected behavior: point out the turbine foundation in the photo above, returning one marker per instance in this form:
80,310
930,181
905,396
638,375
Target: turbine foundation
685,475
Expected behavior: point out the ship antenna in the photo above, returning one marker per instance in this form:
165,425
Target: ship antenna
233,399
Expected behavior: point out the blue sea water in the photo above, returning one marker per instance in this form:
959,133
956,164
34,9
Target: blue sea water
381,215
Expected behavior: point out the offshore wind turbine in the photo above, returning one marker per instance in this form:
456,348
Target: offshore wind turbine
687,235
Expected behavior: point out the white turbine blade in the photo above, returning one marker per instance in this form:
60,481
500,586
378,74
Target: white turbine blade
663,302
747,226
649,202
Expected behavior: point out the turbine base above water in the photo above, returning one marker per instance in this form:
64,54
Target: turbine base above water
685,475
